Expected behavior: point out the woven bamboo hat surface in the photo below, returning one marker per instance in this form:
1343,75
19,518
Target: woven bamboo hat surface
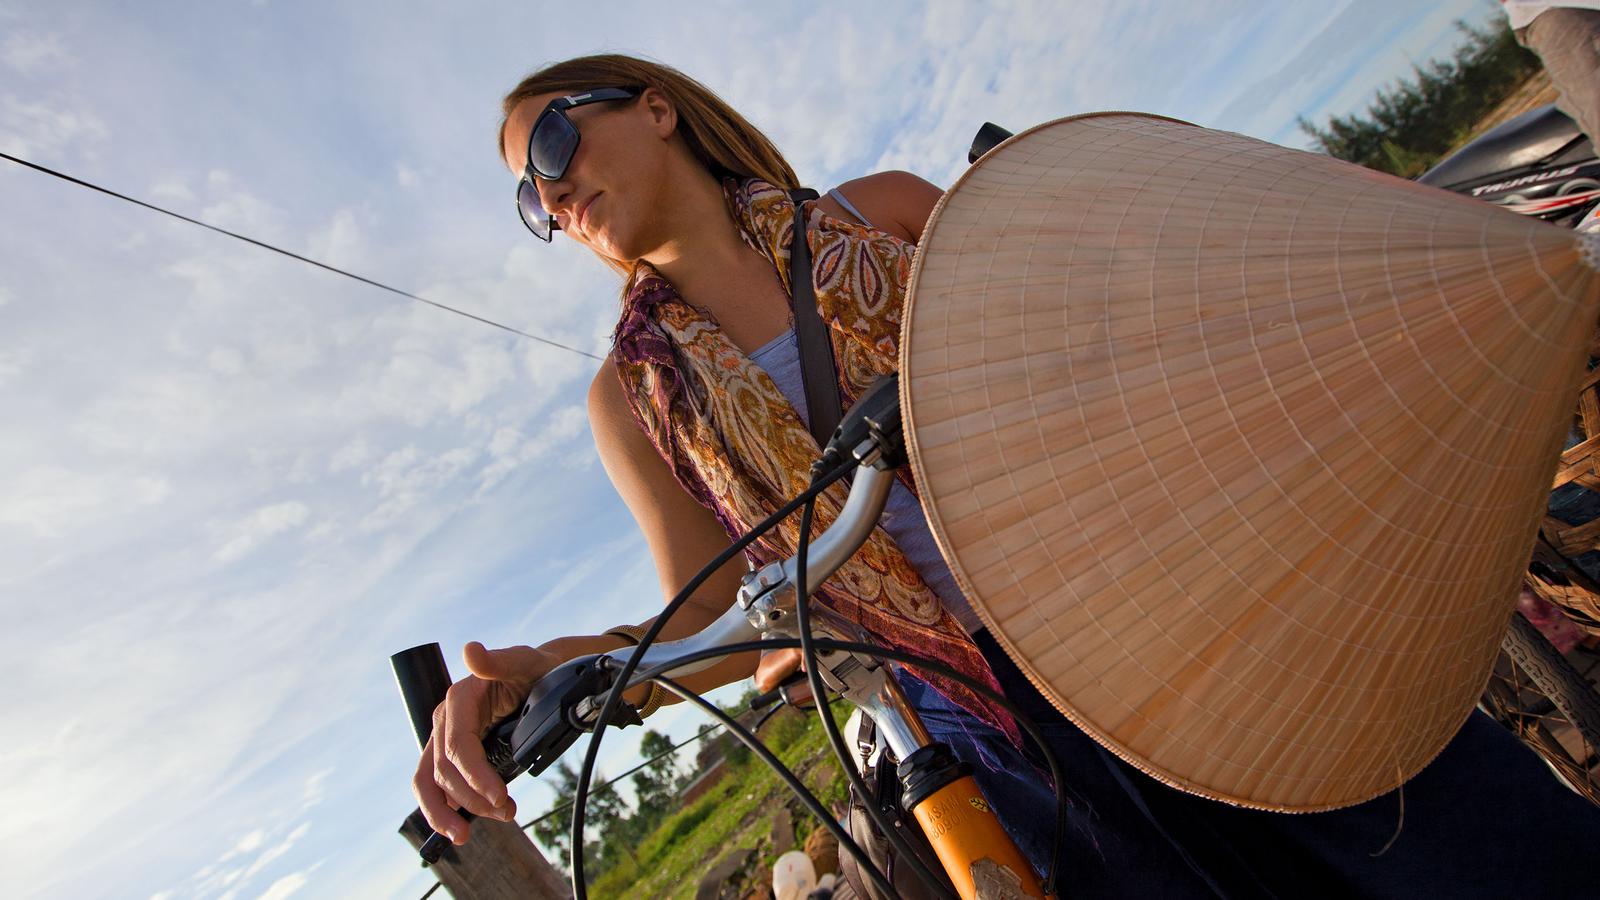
1238,450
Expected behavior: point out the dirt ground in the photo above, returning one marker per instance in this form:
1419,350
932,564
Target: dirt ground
1535,92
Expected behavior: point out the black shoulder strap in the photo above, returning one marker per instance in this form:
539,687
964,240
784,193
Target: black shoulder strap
817,370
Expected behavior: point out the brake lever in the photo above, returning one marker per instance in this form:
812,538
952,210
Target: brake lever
561,705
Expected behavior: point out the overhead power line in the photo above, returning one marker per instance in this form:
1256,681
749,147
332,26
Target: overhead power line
651,761
296,256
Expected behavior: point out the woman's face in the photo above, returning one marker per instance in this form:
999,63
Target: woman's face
611,195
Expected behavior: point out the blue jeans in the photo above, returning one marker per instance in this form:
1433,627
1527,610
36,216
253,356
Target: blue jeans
1484,819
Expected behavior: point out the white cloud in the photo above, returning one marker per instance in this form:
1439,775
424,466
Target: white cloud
423,380
227,878
288,356
290,884
32,54
170,188
236,207
313,789
406,176
247,844
225,361
276,850
5,296
49,501
509,449
355,452
259,526
45,130
340,242
160,415
406,477
13,363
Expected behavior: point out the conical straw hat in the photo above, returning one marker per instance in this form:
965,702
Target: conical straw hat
1238,450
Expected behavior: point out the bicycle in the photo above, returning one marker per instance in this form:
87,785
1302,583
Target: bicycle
977,856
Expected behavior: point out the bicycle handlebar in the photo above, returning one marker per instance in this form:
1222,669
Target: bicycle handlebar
423,679
568,699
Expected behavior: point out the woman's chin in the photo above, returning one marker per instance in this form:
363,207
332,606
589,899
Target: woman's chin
615,246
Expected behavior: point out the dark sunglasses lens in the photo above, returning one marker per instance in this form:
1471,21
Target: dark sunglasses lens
551,145
533,214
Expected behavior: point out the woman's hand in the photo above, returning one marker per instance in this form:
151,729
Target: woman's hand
454,773
775,667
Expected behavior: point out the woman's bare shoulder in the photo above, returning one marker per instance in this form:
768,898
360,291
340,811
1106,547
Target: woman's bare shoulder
609,415
895,201
680,533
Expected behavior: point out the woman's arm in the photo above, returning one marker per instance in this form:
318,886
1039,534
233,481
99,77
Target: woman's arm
896,202
682,536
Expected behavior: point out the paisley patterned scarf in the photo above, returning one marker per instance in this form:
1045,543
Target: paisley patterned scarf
739,448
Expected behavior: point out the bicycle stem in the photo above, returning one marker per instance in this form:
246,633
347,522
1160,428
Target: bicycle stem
767,596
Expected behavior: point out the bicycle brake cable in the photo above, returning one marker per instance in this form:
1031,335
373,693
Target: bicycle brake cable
1057,776
613,699
812,804
819,694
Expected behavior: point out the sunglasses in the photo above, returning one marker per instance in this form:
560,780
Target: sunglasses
551,146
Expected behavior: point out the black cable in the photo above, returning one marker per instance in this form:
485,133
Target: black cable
767,715
292,255
613,700
921,662
819,693
810,800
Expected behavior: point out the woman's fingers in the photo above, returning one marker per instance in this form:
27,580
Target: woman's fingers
775,667
509,664
433,802
461,766
448,776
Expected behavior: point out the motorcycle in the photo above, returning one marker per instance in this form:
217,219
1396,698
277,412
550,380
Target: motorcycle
1537,164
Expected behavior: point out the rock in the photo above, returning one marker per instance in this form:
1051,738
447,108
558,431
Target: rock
711,884
782,831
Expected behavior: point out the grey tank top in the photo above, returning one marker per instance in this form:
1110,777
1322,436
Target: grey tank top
902,515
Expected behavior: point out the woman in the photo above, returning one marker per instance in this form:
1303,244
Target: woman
698,419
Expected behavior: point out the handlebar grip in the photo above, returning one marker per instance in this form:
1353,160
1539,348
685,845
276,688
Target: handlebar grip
423,679
433,847
988,137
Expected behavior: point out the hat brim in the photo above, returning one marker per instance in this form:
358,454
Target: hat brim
1239,451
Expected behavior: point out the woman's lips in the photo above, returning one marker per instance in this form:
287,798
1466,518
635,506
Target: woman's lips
583,212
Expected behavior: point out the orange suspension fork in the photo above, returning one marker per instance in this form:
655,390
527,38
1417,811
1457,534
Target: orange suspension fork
981,860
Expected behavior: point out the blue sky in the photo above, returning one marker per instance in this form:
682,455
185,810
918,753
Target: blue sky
231,485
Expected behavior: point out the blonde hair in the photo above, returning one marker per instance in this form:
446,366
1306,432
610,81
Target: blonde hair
718,137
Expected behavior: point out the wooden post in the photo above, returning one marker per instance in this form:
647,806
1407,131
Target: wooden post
500,862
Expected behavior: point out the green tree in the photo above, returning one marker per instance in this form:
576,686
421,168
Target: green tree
732,750
606,810
655,787
1414,122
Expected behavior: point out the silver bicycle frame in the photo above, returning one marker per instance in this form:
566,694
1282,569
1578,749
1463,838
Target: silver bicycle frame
766,608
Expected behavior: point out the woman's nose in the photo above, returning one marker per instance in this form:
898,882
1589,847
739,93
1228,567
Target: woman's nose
554,195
